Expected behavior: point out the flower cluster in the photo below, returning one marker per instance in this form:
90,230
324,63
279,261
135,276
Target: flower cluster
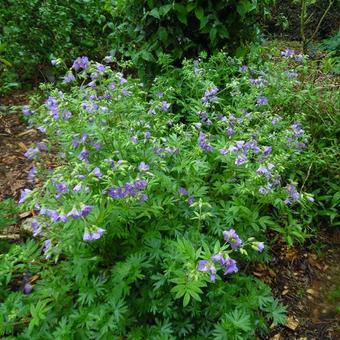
93,235
127,190
210,95
203,144
80,63
222,258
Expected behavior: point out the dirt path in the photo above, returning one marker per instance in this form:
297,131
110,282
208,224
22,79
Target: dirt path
307,281
15,138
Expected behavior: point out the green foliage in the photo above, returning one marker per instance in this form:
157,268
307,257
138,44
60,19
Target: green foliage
8,217
142,30
8,212
34,32
223,145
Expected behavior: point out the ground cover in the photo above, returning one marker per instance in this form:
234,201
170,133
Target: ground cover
210,147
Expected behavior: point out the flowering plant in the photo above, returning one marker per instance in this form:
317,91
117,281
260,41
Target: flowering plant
144,184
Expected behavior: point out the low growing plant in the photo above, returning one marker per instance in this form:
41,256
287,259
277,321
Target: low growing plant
158,201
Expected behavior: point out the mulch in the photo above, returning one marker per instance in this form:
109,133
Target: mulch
303,278
15,139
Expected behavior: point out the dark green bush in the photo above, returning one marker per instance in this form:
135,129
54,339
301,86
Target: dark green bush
141,30
35,31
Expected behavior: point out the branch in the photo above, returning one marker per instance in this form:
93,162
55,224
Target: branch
330,4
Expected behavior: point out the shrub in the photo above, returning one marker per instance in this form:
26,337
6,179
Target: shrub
141,30
35,31
153,195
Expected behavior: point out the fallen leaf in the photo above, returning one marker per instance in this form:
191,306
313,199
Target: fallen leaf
34,278
292,323
312,292
22,146
27,132
25,214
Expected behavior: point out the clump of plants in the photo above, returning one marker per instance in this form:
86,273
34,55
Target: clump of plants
159,201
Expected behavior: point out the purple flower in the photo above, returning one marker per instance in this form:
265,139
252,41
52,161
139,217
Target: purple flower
267,150
83,155
143,198
263,190
262,100
69,77
287,53
54,62
35,227
66,114
100,67
143,167
125,92
74,213
140,184
134,139
230,266
259,246
111,86
230,131
27,288
32,173
291,74
95,235
41,146
191,200
276,120
202,143
77,188
218,258
243,68
85,210
23,195
233,239
165,106
97,172
209,95
26,110
241,159
31,153
80,63
294,196
61,187
108,59
223,151
147,134
42,129
206,266
297,129
183,191
262,170
53,214
47,247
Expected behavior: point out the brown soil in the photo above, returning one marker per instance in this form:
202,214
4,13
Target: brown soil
15,139
305,280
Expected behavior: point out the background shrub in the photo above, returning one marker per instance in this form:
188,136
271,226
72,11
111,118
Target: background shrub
141,30
34,32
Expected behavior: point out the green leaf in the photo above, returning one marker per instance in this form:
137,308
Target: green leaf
163,34
244,7
186,299
181,13
199,12
155,13
164,10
